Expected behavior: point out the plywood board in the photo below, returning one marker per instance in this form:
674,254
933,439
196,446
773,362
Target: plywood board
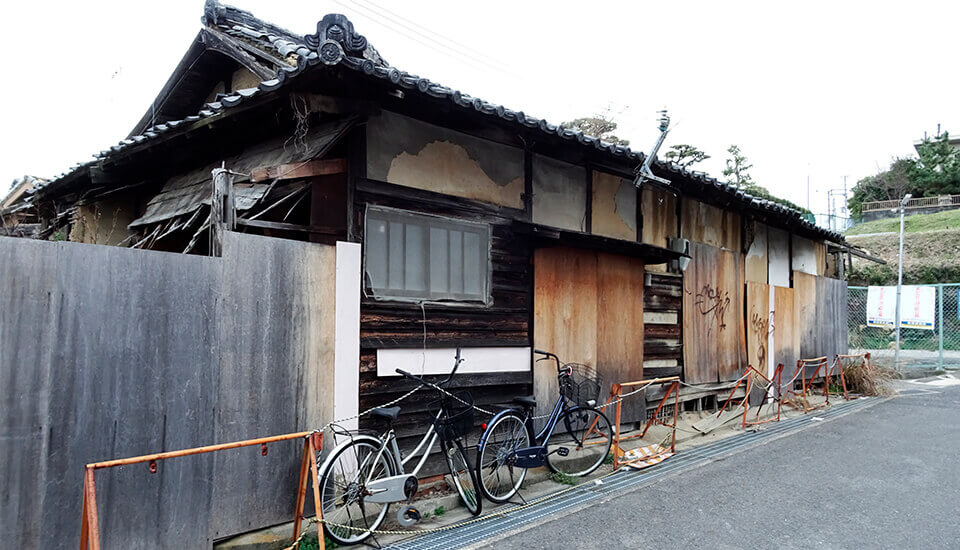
708,224
620,327
712,315
805,320
755,262
614,207
784,336
588,308
565,315
758,324
832,314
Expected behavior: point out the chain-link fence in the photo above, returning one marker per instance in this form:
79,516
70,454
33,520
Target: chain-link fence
919,348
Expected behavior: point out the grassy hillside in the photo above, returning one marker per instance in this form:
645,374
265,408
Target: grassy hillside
949,219
931,249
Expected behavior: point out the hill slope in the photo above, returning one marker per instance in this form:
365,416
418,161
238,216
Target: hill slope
931,249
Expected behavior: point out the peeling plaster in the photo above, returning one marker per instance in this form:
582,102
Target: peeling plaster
614,207
405,151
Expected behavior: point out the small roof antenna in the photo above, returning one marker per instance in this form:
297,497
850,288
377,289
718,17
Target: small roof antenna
643,172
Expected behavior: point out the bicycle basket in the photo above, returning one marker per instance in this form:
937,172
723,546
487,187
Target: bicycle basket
580,384
457,420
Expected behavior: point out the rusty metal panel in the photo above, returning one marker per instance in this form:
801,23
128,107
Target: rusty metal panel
712,315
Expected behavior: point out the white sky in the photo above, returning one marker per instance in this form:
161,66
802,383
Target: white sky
826,89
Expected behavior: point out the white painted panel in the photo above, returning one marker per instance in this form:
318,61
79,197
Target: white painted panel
440,360
771,362
346,354
778,251
804,255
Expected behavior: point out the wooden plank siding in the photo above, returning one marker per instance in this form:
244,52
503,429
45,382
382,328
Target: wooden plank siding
662,346
713,315
588,308
391,324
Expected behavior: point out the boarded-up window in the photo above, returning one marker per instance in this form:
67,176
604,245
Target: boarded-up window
414,256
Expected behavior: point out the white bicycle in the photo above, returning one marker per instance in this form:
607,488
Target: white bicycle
364,474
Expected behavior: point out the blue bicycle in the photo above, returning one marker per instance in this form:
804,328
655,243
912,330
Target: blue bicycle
575,440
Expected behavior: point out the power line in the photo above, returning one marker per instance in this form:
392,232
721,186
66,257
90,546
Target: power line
388,24
439,38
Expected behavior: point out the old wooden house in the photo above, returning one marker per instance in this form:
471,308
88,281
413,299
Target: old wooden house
478,226
481,226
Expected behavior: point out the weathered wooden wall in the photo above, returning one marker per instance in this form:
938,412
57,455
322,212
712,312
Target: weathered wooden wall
662,345
758,324
588,308
109,352
708,224
756,259
712,315
405,325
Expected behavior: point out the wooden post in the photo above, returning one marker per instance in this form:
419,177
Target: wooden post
317,504
90,534
301,489
223,211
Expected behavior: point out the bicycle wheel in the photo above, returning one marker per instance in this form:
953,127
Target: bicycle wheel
343,482
499,478
586,435
464,477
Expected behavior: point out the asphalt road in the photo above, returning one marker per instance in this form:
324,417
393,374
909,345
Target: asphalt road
885,477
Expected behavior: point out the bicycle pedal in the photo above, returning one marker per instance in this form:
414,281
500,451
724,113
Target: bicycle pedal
408,515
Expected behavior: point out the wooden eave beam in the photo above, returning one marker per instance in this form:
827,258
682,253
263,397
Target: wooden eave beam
310,168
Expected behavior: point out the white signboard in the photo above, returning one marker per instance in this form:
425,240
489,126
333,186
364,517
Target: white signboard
917,305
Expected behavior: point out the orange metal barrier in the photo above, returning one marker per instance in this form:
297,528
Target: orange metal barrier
822,369
745,403
313,441
616,391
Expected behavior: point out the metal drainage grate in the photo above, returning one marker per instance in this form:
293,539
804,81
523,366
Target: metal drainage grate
625,479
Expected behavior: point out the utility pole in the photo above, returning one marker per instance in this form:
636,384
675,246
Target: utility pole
896,352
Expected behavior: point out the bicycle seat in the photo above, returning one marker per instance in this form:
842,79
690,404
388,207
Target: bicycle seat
526,401
390,413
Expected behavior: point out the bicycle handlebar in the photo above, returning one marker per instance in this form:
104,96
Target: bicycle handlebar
456,365
548,355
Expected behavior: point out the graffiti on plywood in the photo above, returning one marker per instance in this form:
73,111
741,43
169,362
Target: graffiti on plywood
713,301
761,327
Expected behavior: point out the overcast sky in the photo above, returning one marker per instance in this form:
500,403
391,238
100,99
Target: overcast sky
826,89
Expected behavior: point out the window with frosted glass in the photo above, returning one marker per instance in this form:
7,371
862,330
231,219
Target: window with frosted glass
417,256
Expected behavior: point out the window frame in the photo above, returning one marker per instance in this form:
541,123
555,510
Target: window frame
428,222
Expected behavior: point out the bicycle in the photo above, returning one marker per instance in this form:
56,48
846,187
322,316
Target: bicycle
577,448
363,475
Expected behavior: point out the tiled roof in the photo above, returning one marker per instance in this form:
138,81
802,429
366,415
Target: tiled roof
336,43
